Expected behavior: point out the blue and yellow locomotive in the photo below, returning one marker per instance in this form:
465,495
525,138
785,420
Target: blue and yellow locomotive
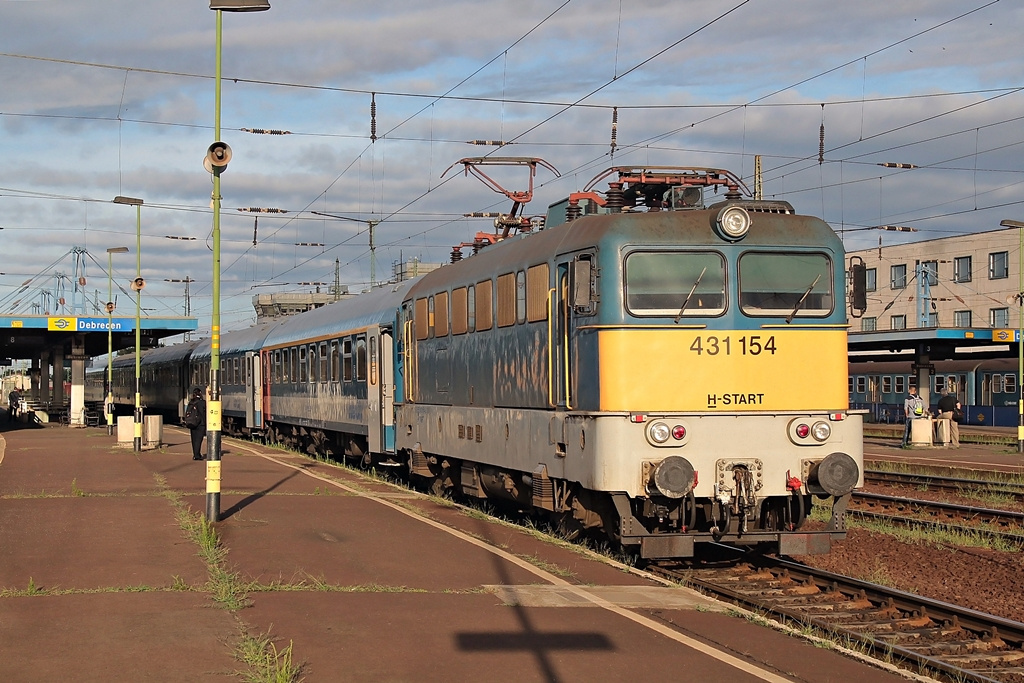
653,364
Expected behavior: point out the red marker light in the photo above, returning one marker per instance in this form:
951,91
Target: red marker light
637,418
678,432
802,431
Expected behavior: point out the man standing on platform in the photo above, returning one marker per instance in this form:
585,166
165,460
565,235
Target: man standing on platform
947,406
195,420
913,407
13,401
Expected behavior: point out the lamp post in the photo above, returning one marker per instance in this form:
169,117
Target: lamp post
108,407
1020,331
217,158
137,284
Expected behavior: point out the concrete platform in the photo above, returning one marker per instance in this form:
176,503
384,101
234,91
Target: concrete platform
100,581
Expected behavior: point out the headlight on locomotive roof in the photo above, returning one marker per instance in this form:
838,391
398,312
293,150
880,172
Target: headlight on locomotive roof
732,223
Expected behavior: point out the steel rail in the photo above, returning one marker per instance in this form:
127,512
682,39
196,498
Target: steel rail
945,483
1003,518
956,642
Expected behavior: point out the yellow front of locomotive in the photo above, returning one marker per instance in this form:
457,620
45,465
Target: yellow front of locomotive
725,381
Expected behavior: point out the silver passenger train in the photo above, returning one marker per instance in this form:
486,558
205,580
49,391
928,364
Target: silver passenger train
647,366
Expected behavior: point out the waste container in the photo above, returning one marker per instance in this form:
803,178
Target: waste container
921,431
153,431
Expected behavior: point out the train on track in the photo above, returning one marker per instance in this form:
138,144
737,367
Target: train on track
987,388
664,363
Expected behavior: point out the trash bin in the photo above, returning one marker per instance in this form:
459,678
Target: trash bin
153,430
921,431
126,429
942,431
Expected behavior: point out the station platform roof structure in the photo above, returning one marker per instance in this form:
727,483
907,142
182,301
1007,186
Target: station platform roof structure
934,343
25,335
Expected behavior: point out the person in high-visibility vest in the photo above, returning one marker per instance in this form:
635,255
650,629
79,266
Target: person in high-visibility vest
913,406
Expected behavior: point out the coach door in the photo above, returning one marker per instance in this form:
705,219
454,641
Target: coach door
253,391
382,386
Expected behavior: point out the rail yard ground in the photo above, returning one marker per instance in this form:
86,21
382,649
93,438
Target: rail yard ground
107,572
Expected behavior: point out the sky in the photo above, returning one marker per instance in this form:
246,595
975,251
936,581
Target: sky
378,101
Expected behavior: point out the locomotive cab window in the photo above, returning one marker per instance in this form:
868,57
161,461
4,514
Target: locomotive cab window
786,284
675,283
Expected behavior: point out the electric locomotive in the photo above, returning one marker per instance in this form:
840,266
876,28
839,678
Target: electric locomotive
665,370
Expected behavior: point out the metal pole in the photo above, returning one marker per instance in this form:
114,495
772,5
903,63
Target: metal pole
1020,341
109,405
138,326
213,431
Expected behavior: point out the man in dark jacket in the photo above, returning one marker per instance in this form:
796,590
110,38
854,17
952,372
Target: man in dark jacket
195,420
947,406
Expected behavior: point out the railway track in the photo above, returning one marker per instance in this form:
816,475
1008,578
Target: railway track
1005,525
1011,488
944,640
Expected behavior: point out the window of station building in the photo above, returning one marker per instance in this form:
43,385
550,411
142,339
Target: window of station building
520,297
346,359
998,265
781,283
961,318
421,321
898,276
335,361
325,361
303,366
999,317
868,324
460,311
440,314
962,269
871,279
862,384
886,384
658,283
898,322
506,300
361,359
900,384
537,293
930,270
933,319
484,305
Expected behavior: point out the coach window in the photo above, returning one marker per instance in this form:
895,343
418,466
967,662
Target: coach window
520,297
471,308
900,385
303,366
324,363
675,284
361,359
275,367
421,321
1010,383
440,314
862,385
286,366
506,300
346,359
484,305
785,284
460,317
373,360
537,293
886,384
335,361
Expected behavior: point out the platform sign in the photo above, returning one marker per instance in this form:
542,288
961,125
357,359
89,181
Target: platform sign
1005,336
100,324
61,324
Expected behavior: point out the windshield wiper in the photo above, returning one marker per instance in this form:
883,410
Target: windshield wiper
799,304
688,296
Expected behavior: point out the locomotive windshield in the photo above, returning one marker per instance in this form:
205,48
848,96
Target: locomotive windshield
675,283
785,284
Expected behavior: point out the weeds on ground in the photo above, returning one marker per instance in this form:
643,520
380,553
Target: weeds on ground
266,663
